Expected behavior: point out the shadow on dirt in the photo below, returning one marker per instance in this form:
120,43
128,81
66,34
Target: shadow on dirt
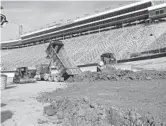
2,104
5,115
9,87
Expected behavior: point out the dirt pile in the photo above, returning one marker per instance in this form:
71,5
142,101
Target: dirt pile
80,111
75,111
115,75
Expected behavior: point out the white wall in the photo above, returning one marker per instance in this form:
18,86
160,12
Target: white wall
54,72
89,68
9,74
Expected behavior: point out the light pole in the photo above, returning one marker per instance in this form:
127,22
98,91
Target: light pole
20,28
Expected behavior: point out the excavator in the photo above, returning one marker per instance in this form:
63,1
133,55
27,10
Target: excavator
24,75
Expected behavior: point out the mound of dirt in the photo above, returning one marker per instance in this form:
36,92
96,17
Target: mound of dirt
80,111
115,75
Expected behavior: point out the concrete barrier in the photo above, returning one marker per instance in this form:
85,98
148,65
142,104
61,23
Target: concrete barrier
3,81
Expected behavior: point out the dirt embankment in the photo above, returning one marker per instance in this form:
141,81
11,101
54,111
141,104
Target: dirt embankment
73,107
80,111
114,75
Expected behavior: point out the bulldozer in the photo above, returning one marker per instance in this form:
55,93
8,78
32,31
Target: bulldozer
23,75
108,58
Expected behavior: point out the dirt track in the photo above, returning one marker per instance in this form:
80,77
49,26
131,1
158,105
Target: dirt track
19,105
20,102
144,92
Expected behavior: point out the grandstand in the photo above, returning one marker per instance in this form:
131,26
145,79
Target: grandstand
111,18
87,43
159,42
29,56
87,49
122,42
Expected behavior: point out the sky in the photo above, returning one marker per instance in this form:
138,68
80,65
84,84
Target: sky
36,14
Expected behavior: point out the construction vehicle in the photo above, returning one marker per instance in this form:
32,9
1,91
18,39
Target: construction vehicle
108,58
46,73
42,72
23,75
60,67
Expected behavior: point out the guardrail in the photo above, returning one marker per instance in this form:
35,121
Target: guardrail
148,55
149,52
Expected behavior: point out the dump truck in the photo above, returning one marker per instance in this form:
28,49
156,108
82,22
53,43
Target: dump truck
47,73
55,69
42,72
60,65
24,75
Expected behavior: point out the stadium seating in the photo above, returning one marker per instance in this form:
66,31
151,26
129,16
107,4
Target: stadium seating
122,42
5,52
28,56
88,48
159,43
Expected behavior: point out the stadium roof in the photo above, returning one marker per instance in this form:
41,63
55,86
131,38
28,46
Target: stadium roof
38,31
91,16
157,6
9,41
113,10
